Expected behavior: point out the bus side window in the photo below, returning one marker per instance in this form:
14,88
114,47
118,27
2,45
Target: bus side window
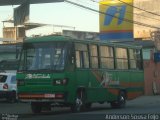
106,57
135,59
121,58
82,59
132,59
94,56
139,59
79,59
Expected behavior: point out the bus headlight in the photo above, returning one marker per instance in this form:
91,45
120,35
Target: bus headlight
60,81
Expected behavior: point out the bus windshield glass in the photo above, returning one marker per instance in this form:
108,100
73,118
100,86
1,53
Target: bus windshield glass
43,56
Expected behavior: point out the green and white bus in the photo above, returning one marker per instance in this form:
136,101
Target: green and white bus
59,70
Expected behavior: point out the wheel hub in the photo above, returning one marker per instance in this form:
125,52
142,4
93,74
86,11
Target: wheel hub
78,102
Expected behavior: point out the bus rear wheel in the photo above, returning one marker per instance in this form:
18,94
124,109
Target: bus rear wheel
121,101
36,107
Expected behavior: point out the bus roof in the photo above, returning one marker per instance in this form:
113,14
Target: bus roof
47,39
61,38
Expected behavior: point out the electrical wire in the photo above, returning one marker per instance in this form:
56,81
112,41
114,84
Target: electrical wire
124,19
139,8
87,3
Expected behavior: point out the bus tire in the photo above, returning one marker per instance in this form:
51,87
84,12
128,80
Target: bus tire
121,101
36,107
79,104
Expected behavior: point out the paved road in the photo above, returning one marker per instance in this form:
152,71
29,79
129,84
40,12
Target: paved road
148,106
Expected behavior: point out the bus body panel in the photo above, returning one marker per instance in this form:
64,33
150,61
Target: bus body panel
62,86
92,81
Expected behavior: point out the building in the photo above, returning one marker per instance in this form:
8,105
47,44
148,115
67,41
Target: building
146,17
16,34
151,68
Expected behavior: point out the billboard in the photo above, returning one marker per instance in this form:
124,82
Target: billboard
116,19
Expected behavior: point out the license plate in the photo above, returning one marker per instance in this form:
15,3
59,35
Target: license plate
49,95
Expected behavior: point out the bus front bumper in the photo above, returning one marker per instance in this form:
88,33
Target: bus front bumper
57,97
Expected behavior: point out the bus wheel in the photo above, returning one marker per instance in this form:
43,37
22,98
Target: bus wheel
36,107
121,101
79,102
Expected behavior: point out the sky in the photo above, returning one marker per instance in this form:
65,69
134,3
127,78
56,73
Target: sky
61,13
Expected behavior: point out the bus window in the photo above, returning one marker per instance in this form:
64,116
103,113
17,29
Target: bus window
39,56
132,58
106,57
139,59
82,60
135,59
121,58
94,56
86,59
78,60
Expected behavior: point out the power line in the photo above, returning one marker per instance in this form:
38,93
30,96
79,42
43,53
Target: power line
139,8
127,11
124,19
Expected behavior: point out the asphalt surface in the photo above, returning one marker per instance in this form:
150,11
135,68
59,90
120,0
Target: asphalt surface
142,108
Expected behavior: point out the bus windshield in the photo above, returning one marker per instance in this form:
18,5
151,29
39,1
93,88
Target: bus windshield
43,56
